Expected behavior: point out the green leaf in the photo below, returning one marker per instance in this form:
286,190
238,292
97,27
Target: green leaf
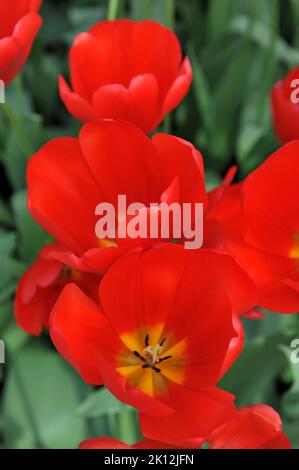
40,396
6,316
255,370
260,35
31,237
9,267
290,400
203,95
14,160
5,215
217,23
7,243
248,138
212,179
100,403
295,11
14,337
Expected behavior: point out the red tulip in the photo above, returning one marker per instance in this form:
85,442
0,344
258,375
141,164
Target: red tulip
285,107
69,177
40,287
162,339
128,70
19,24
261,228
255,427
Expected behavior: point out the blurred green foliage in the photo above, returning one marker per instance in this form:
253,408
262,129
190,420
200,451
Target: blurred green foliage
238,49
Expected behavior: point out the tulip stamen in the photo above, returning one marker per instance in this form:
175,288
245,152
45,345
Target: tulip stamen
164,358
151,355
136,353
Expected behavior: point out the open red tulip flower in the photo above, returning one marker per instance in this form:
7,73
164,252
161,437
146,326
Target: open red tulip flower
19,24
285,107
162,338
69,177
255,427
128,70
261,227
40,287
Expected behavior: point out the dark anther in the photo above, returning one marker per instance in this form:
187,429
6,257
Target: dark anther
136,353
164,358
163,341
147,366
147,341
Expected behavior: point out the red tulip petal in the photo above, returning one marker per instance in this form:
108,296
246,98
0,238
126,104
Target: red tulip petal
179,159
10,59
81,333
101,57
144,91
255,427
14,50
270,274
254,314
112,101
103,443
156,50
75,104
147,444
235,346
32,316
285,113
63,195
179,88
143,298
119,387
271,202
197,414
119,145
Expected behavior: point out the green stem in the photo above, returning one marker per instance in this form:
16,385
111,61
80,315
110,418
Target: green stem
112,9
170,12
270,63
146,9
112,425
127,426
21,135
167,124
20,92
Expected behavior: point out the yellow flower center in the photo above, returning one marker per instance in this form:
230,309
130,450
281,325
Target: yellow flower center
151,362
151,355
294,253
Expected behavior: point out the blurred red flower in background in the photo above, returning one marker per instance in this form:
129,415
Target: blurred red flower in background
19,24
40,287
285,107
128,70
260,222
162,339
255,427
